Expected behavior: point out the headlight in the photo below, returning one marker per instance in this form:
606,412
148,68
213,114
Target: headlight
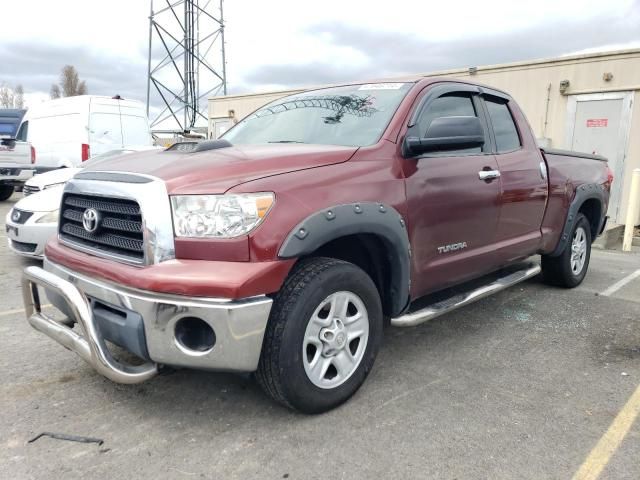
49,217
219,216
53,185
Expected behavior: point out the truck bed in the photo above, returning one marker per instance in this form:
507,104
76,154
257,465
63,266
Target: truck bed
567,171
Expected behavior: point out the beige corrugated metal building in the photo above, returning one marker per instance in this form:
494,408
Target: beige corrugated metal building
581,102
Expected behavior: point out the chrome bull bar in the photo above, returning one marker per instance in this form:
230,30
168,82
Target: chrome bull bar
90,347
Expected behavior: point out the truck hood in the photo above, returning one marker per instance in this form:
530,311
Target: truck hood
216,171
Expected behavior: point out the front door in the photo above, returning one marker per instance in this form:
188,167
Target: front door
452,212
599,123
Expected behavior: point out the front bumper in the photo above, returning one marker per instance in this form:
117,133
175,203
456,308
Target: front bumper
32,236
238,325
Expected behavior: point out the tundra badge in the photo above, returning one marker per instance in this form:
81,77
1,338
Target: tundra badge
452,247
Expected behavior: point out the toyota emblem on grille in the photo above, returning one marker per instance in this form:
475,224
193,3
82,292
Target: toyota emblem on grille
15,216
90,220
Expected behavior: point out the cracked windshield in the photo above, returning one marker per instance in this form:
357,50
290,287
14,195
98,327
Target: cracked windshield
354,115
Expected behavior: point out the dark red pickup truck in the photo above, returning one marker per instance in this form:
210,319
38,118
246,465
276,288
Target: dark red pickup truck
283,248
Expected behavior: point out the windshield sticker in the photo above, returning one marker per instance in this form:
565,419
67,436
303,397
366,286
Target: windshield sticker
381,86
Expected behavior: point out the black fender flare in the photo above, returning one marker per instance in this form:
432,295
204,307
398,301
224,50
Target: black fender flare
338,221
583,193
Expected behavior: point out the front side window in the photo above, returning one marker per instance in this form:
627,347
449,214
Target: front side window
451,105
504,128
354,115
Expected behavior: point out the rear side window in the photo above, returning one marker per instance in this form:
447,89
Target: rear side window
504,127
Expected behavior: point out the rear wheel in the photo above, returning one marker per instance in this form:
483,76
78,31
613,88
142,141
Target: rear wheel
570,267
323,335
5,192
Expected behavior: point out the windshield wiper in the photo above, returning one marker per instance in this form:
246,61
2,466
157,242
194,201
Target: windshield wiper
285,141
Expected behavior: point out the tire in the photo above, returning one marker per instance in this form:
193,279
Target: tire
5,192
293,354
568,269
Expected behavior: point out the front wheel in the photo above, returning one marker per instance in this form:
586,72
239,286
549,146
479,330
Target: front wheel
5,192
323,336
570,267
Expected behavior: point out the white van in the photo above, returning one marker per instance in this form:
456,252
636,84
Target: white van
67,131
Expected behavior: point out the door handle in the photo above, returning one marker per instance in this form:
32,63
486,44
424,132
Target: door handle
543,170
488,174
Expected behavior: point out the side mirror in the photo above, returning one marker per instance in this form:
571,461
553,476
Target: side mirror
448,133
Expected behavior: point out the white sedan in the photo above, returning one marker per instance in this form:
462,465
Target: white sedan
32,221
50,179
34,218
61,176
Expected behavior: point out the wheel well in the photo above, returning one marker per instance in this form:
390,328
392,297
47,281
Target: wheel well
368,252
592,209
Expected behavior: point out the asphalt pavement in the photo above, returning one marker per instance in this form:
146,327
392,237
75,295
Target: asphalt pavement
533,383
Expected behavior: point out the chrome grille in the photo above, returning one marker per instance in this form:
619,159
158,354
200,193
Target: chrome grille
119,228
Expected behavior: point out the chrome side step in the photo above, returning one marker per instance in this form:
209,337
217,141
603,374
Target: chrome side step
460,300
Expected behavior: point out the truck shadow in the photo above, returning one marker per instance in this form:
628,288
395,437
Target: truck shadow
200,396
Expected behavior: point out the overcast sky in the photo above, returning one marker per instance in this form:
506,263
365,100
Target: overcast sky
285,43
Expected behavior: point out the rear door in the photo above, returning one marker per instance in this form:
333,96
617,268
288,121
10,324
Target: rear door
105,128
135,124
452,212
105,132
135,131
219,127
523,179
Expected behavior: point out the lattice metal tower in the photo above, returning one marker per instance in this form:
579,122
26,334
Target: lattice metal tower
186,50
